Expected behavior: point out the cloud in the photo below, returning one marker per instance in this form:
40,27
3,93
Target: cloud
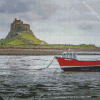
86,27
91,28
26,10
13,6
36,7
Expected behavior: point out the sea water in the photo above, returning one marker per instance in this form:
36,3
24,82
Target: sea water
21,79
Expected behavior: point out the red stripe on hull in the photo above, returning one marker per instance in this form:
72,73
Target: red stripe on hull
74,62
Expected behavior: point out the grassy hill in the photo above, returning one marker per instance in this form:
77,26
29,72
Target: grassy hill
24,38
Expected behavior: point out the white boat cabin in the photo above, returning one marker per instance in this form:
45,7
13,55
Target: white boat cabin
69,55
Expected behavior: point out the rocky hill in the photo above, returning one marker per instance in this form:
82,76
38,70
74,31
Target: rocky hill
20,34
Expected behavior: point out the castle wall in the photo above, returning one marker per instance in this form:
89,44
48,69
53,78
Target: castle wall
12,26
26,26
18,23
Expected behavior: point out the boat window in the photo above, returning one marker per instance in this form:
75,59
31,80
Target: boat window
64,55
74,55
68,55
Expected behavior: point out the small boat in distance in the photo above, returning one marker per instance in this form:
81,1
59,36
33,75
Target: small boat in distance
69,62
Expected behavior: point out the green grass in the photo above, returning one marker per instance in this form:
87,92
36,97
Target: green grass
68,46
33,39
21,43
4,41
15,42
21,40
18,44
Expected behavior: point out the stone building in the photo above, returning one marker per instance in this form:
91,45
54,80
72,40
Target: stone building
19,26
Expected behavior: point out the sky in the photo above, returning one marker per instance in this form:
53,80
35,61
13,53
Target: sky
55,21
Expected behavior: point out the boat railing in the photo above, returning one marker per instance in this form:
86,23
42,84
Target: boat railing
87,59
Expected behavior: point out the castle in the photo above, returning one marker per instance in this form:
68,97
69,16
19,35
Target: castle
19,26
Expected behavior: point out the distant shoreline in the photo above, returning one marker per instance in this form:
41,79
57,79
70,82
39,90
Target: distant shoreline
46,51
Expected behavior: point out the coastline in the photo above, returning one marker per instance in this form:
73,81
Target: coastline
45,51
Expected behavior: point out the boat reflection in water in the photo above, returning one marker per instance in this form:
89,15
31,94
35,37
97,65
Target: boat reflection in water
69,62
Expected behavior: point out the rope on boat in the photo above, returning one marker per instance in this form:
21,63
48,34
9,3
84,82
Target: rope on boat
47,66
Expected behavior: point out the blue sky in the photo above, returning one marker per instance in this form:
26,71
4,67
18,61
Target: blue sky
55,21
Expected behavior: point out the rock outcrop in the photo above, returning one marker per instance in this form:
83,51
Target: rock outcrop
17,28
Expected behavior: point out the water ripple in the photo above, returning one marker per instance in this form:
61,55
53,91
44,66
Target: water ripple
19,80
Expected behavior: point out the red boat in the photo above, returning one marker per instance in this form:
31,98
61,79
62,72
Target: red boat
68,62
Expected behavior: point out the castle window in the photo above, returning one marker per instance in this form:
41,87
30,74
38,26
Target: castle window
16,34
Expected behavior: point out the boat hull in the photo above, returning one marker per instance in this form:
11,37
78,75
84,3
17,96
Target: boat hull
76,65
81,68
